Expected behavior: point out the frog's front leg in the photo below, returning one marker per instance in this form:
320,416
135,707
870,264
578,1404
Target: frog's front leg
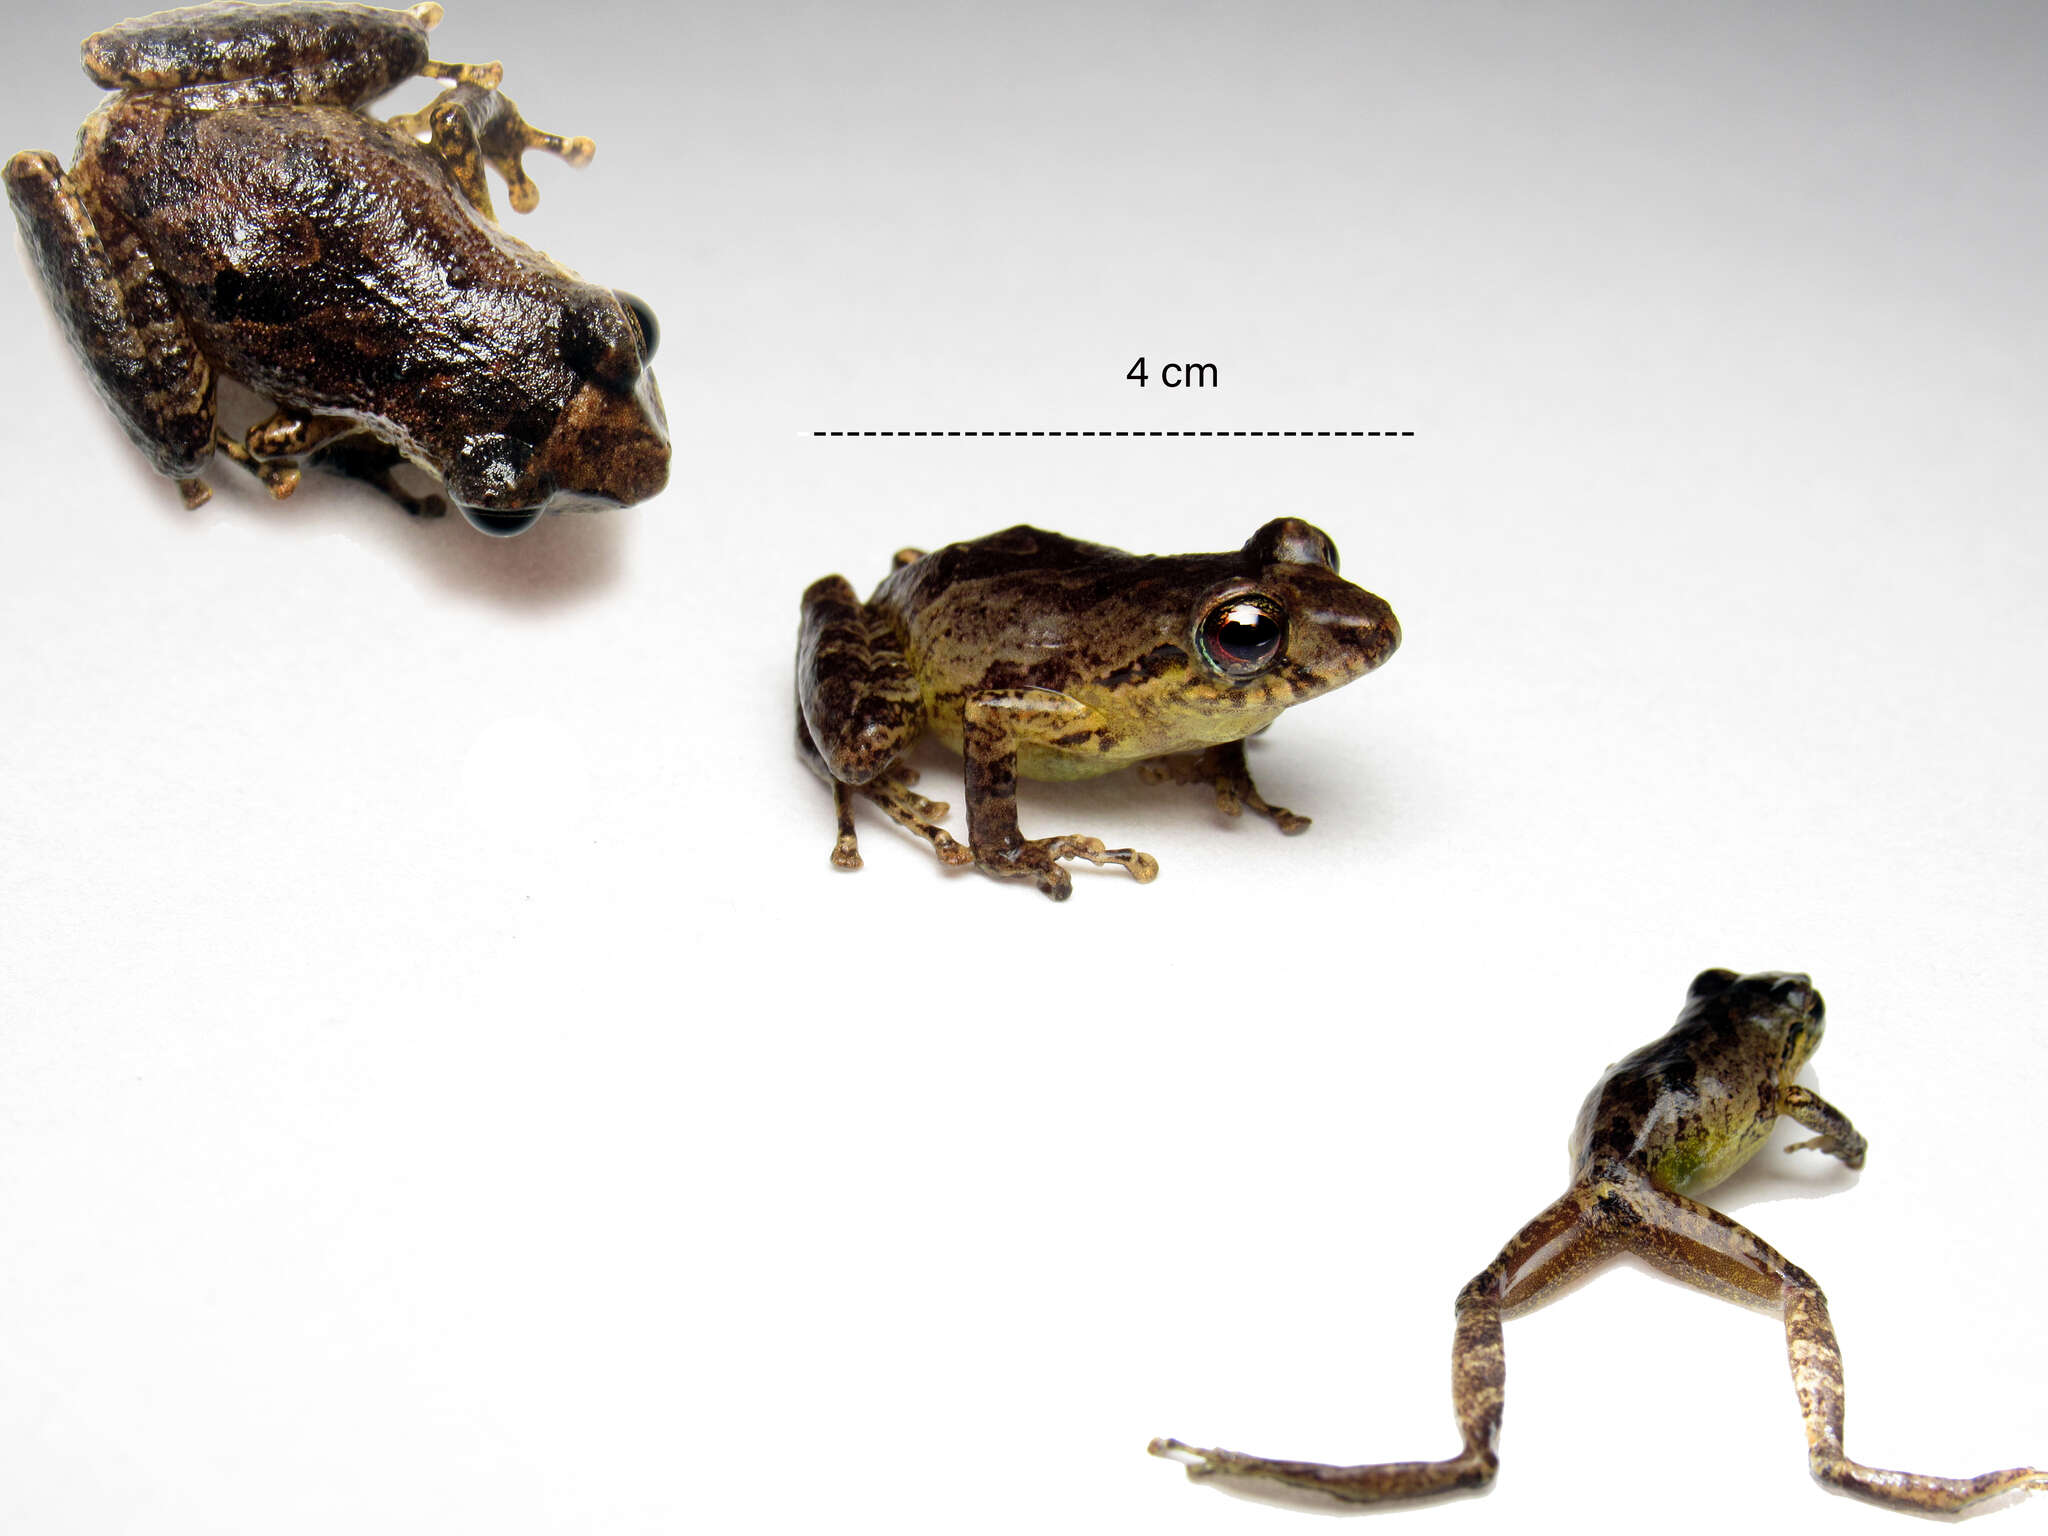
1224,769
1837,1138
364,456
118,312
1700,1244
221,55
1571,1234
993,723
471,126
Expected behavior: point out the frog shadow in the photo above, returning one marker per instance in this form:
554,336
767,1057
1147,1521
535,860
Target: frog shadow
560,560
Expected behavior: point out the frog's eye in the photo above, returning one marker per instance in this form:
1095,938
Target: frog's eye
1242,635
1707,983
501,525
650,328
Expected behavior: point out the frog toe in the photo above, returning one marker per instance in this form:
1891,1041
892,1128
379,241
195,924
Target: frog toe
1199,1463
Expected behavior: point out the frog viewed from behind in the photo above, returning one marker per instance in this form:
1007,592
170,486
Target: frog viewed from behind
1038,655
234,211
1665,1122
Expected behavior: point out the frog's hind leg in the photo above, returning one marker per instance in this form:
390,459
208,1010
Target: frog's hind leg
1224,769
858,709
473,123
222,55
1700,1245
1569,1235
913,812
118,312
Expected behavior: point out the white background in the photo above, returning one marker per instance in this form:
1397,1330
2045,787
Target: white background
444,1087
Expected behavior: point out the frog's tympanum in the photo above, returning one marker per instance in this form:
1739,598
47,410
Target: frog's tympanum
1039,655
1674,1118
235,211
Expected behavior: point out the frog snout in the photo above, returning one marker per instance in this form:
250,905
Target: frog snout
1368,635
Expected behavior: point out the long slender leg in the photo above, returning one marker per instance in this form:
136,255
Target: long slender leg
1224,769
1676,1231
1569,1235
1837,1137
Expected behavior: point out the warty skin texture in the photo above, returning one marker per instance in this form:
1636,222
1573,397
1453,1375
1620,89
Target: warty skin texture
235,211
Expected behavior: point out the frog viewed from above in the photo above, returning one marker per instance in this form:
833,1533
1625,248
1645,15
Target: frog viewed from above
1040,655
1669,1120
234,211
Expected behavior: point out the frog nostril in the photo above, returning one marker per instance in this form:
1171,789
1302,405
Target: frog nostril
501,525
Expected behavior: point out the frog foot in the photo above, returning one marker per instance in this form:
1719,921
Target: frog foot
1200,1463
902,777
279,478
890,791
1851,1154
472,125
1223,769
1038,859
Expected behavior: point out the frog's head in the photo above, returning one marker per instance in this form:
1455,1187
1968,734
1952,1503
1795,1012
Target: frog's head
1782,1004
598,437
1286,627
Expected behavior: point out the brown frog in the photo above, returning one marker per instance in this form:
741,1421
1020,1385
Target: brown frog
234,211
1669,1120
1037,654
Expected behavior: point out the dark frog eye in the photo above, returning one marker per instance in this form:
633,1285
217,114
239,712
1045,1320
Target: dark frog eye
650,329
1242,635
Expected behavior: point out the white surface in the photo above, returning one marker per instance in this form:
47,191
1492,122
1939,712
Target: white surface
444,1087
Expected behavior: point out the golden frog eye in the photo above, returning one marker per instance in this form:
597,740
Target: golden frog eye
1242,636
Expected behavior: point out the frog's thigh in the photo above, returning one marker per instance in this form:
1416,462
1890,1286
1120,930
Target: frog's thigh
859,704
1563,1236
343,55
117,311
1713,1251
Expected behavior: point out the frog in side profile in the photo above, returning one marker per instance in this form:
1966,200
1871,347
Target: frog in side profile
1670,1120
1036,654
234,211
